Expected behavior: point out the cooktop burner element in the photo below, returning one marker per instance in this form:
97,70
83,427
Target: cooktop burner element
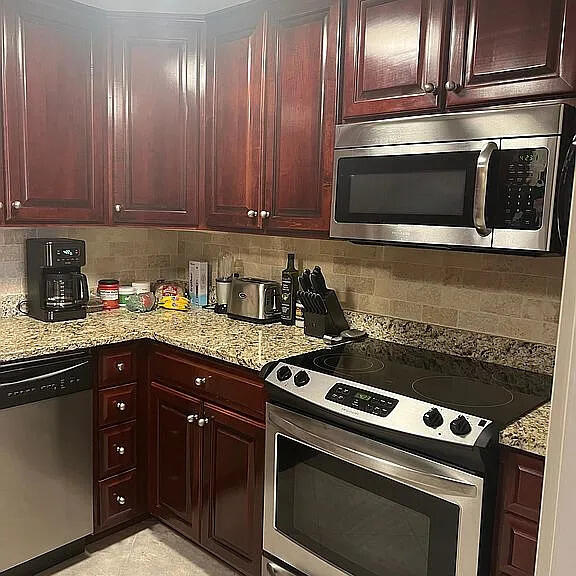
348,364
405,389
462,392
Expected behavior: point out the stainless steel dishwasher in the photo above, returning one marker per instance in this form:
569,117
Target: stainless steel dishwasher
45,461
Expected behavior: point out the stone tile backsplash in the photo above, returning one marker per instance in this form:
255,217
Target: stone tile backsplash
503,295
513,296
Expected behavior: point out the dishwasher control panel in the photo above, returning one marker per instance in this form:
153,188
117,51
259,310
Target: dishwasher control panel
37,380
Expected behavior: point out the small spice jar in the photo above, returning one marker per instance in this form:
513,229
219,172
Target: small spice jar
109,291
123,293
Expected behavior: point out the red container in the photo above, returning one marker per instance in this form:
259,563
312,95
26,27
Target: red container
109,291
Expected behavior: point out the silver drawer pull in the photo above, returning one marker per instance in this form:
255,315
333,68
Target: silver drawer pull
121,500
200,381
121,406
121,450
120,366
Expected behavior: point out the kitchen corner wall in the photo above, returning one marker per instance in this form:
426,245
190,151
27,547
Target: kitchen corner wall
129,254
514,296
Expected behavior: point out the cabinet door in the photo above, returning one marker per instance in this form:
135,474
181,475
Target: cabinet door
54,112
175,452
156,119
394,56
519,49
233,489
301,72
234,120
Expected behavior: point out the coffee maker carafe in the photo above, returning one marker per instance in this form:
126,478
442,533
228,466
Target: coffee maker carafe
57,290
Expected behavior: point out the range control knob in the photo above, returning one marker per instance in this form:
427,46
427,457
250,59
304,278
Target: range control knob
433,418
284,373
301,379
460,426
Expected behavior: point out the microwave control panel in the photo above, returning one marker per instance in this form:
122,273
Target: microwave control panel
522,179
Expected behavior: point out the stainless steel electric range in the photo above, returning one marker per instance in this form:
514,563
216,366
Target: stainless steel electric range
382,460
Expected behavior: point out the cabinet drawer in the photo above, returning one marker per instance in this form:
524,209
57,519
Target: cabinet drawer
117,449
524,478
119,499
231,386
517,547
117,366
116,405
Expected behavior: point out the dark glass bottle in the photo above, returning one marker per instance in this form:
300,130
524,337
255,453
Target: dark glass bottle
289,289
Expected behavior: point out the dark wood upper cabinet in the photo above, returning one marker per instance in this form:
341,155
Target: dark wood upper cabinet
175,459
157,80
233,488
512,50
234,119
301,92
54,112
393,56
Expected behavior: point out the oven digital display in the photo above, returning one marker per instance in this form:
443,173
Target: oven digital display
361,400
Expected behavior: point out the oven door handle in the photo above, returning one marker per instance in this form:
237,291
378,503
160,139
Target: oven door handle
481,189
357,451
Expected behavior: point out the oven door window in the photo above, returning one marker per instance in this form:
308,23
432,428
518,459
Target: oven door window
424,189
362,523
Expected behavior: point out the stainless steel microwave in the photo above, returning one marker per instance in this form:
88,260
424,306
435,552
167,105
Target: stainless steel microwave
497,179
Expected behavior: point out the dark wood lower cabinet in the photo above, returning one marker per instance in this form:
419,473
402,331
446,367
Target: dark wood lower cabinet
175,459
233,485
518,513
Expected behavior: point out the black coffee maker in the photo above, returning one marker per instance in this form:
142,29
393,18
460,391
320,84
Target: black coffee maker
57,290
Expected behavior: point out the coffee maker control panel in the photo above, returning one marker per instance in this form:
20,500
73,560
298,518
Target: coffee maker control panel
68,257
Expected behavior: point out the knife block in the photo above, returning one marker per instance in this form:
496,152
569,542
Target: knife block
330,324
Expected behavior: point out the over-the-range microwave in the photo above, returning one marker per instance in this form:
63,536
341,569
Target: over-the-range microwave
496,179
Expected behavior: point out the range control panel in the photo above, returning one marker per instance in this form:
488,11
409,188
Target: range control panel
522,181
362,400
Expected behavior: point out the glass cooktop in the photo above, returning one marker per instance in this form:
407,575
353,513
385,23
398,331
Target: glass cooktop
491,391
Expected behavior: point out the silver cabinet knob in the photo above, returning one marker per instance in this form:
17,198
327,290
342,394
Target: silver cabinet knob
121,406
192,418
265,214
118,208
200,381
252,214
16,204
203,421
120,366
429,88
121,500
452,86
121,450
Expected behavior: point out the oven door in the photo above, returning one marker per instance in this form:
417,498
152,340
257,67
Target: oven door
337,503
422,194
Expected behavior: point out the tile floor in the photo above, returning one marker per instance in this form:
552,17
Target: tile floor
149,549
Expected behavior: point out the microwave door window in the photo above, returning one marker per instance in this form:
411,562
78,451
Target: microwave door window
432,189
361,522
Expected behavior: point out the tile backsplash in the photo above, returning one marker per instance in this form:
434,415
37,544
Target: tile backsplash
129,254
512,296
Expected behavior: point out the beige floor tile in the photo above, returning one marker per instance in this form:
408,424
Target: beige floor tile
149,549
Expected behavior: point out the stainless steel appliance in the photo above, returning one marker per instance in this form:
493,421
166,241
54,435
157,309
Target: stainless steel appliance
254,300
57,290
46,461
487,180
382,459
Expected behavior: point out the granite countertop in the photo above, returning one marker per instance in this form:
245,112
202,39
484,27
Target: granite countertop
252,346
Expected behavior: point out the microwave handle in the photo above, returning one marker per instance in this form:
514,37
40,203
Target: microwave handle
482,187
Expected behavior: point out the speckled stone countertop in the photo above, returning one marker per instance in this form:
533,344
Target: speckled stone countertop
253,346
